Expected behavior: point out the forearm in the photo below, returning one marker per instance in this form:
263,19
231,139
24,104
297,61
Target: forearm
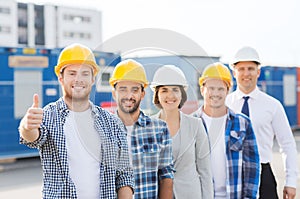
28,135
166,188
125,193
251,168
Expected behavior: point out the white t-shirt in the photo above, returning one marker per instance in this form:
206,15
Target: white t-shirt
216,132
129,132
83,149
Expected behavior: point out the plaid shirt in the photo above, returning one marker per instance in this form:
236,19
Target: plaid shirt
151,147
243,166
115,171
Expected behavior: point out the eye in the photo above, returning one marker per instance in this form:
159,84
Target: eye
135,90
176,90
86,74
221,89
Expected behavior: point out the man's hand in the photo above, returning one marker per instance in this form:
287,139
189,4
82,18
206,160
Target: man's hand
289,192
30,124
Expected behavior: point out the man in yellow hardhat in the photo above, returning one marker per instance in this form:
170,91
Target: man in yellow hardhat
234,153
150,145
83,149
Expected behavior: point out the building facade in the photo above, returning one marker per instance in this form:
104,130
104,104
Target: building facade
48,26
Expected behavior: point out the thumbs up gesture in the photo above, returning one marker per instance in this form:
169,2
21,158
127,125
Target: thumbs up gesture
30,124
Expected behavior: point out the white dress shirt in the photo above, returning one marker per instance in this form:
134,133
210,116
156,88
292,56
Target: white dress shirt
269,121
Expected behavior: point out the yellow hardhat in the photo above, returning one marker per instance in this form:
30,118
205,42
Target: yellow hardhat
129,70
217,71
76,54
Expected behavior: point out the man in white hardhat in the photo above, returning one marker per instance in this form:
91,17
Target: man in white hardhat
269,120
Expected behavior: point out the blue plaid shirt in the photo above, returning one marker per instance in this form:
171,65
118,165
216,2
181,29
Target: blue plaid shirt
243,166
115,171
151,147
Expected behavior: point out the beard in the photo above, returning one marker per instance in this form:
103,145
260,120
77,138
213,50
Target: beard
133,109
77,96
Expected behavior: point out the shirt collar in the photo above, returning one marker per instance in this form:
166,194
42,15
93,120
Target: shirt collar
63,108
254,94
230,113
143,119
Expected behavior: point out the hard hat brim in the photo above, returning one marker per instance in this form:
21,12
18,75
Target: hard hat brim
61,66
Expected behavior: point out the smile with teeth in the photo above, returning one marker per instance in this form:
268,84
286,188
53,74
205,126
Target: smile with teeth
128,102
170,102
77,87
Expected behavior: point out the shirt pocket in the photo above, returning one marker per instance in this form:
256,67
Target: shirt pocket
236,140
151,156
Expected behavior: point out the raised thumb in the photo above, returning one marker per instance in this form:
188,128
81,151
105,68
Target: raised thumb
35,101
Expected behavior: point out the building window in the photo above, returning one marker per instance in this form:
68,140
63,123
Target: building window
77,35
5,29
39,25
77,19
4,10
22,23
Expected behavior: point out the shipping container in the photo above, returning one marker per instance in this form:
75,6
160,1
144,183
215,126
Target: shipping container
282,83
25,71
192,67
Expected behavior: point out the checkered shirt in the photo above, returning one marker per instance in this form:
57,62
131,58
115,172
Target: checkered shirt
151,147
243,166
115,170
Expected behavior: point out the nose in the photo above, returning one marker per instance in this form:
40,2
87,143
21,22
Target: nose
129,94
171,93
78,77
247,72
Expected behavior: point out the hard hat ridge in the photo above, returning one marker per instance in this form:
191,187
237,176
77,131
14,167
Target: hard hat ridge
76,54
246,53
129,70
169,75
216,71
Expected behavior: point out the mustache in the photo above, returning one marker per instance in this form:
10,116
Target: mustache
215,97
126,99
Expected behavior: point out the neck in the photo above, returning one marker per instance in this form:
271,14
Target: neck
128,119
77,105
247,91
172,119
215,112
169,115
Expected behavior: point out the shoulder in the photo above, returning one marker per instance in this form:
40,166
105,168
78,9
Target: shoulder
106,117
197,113
238,118
156,122
268,98
55,107
190,119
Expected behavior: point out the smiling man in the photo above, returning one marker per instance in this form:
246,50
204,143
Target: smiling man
150,144
234,153
83,149
269,121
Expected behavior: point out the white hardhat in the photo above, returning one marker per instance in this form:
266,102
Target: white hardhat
245,54
169,75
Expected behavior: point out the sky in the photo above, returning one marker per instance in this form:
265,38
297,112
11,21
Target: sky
220,27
